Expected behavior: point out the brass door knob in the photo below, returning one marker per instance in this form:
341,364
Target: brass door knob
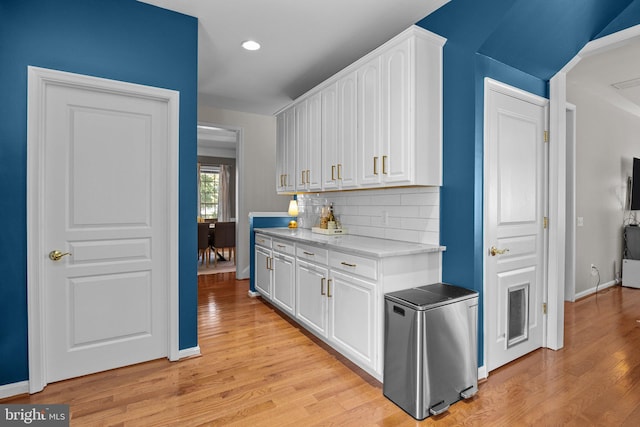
493,251
57,255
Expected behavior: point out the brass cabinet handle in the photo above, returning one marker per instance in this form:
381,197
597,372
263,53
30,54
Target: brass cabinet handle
281,246
308,176
308,253
57,255
347,264
375,166
340,171
493,251
302,173
329,288
384,165
333,172
322,286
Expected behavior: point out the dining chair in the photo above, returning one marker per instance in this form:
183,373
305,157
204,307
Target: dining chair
204,248
224,238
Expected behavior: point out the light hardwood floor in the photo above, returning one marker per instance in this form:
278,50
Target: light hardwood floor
257,368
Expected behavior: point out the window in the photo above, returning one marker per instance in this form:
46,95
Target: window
209,185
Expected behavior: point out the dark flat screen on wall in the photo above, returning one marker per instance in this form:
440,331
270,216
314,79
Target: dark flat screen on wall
635,186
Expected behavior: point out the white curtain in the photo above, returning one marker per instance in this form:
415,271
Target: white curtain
224,204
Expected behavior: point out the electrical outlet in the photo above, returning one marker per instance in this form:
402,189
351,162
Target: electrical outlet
594,270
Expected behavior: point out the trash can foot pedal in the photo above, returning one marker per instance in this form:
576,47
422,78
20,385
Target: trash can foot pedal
469,392
438,408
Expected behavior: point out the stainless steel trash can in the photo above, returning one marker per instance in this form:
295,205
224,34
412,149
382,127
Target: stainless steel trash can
430,348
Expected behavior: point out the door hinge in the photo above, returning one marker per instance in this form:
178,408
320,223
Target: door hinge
544,308
545,222
546,136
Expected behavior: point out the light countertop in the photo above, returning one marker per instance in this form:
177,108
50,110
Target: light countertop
366,246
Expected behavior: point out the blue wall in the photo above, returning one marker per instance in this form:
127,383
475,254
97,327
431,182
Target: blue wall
523,44
116,39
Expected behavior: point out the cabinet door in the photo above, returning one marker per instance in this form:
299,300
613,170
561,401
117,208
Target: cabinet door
281,146
329,132
346,171
352,323
397,97
311,293
263,271
283,282
289,151
368,107
314,144
301,142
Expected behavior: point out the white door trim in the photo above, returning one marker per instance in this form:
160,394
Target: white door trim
39,79
499,87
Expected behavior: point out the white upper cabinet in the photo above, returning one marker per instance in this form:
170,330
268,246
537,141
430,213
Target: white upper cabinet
308,144
313,177
377,123
285,151
302,143
411,142
369,106
339,131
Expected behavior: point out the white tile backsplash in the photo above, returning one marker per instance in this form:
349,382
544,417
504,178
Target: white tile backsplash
408,214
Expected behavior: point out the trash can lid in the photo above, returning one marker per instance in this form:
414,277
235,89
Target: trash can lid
431,296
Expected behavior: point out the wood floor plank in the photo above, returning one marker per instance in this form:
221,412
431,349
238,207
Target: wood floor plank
258,368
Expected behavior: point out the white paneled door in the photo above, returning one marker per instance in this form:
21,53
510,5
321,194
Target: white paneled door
104,261
514,195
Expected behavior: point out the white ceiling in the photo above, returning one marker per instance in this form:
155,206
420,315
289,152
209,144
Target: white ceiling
303,43
598,73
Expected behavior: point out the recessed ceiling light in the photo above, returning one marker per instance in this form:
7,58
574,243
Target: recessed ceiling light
251,45
627,84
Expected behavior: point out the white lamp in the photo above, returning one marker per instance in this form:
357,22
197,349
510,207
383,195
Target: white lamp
293,211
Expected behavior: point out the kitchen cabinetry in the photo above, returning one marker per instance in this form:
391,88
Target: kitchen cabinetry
339,131
380,118
339,285
308,144
311,283
352,317
263,253
285,151
283,285
369,91
400,98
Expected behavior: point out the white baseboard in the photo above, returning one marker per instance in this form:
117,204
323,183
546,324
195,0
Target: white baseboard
189,352
482,372
593,290
14,389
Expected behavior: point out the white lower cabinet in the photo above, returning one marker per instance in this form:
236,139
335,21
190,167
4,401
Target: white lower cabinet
283,293
311,283
352,317
338,308
264,278
338,295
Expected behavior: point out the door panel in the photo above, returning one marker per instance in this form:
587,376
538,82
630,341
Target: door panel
351,316
105,204
263,271
283,282
514,233
311,296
